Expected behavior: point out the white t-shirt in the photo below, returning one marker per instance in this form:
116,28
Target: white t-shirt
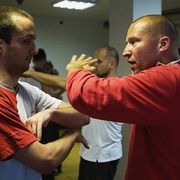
30,100
104,139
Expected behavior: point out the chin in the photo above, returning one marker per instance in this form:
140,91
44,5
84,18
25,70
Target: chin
135,72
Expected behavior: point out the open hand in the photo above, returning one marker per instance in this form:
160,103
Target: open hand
37,121
81,63
79,138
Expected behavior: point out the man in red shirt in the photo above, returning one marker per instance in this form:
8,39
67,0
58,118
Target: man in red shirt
22,156
149,100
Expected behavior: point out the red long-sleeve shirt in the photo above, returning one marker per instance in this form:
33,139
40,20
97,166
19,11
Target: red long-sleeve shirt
14,134
150,100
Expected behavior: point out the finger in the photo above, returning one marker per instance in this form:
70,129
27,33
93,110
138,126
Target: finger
89,62
82,140
92,68
92,61
39,131
82,57
89,68
85,143
88,58
33,128
73,59
28,125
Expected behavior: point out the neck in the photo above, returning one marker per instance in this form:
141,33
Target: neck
170,57
8,80
112,74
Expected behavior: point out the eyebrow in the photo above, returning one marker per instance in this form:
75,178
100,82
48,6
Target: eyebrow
98,60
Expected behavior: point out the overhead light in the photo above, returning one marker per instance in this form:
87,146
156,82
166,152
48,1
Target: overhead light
74,4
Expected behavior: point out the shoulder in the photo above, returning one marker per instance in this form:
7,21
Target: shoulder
28,86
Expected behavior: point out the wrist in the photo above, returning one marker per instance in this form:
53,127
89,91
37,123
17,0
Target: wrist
70,70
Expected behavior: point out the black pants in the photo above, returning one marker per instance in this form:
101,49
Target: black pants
97,171
49,134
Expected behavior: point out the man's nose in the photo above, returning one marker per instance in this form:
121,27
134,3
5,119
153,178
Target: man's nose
126,52
35,51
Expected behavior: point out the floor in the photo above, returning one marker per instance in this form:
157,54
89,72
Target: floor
70,165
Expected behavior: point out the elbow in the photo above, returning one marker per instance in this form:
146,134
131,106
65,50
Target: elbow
48,161
39,157
87,121
47,166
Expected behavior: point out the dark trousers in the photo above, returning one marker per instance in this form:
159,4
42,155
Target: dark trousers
50,133
97,171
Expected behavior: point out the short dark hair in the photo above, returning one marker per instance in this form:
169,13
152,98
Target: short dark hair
40,55
111,52
160,25
7,26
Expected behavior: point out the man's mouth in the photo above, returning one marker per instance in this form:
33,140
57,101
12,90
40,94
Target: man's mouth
29,58
133,64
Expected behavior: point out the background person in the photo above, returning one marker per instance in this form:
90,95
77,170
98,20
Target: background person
39,62
50,80
104,137
55,92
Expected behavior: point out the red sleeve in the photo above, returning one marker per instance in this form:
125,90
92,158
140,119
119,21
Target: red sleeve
13,134
131,99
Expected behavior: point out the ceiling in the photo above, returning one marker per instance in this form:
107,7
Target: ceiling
99,12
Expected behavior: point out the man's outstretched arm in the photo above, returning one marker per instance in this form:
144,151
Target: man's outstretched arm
51,80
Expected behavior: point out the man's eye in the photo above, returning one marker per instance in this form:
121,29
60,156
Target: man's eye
27,41
132,42
99,61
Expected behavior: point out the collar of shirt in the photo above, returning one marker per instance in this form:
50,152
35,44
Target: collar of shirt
173,62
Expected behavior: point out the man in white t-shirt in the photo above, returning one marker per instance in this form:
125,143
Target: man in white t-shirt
104,137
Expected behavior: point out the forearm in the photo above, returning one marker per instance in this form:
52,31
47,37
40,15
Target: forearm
55,81
48,79
60,148
65,115
69,117
45,157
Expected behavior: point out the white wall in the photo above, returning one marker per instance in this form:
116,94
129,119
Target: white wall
62,38
175,18
61,41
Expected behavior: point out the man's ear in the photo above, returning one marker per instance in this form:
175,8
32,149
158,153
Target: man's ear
112,64
164,43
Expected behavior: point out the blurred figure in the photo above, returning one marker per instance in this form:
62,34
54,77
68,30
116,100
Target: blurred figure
55,92
104,137
39,61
